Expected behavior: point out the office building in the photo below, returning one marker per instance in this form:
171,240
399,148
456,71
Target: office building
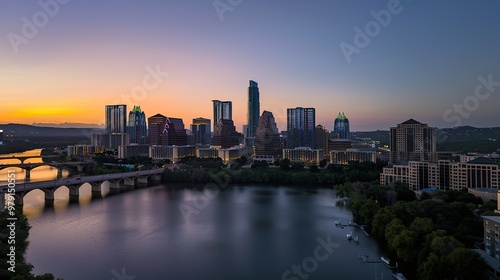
225,134
133,151
116,118
222,110
253,109
172,153
137,127
345,156
200,128
267,139
412,141
300,127
305,155
321,136
84,150
491,236
341,127
110,140
166,131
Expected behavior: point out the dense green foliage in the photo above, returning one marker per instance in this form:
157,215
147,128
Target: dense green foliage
433,233
197,170
22,270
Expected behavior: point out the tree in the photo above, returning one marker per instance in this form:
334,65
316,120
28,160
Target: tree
285,164
434,268
314,168
467,264
322,163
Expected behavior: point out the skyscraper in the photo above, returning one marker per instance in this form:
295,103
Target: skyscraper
253,109
222,110
412,140
321,136
341,127
267,138
300,127
166,131
201,131
137,127
116,118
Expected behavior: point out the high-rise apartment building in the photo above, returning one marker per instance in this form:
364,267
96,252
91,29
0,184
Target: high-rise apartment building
341,127
200,128
116,118
137,127
166,131
300,127
412,140
222,110
253,109
267,138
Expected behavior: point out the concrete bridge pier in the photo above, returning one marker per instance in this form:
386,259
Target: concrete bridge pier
59,172
19,199
114,184
74,193
156,177
143,180
129,181
28,174
49,196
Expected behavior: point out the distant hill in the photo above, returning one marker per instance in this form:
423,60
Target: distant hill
24,130
460,139
69,125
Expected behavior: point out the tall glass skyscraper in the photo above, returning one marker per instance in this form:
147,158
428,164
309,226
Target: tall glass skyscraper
300,126
223,110
253,109
116,118
341,127
137,127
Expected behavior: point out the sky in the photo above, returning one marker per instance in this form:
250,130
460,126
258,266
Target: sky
379,61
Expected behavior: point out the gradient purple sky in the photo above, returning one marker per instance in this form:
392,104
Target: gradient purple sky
92,53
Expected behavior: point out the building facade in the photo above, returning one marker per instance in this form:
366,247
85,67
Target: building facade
225,134
412,141
166,131
300,127
443,174
345,156
341,127
84,150
110,140
172,153
116,118
200,128
492,236
267,139
137,127
305,155
321,136
222,110
253,113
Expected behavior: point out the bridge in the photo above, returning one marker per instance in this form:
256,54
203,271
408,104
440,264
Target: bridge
59,165
74,184
24,158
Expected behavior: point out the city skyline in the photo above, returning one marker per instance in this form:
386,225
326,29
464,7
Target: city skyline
189,54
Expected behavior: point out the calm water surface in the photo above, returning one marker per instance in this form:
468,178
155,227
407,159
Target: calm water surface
176,232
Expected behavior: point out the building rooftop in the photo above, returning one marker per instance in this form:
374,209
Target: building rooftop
482,160
411,121
495,219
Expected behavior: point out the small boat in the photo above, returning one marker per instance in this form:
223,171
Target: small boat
349,222
356,239
337,223
385,260
349,236
398,276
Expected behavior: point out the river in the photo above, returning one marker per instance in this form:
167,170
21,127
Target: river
176,232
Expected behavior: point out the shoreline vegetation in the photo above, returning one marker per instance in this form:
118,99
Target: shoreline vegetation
433,236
